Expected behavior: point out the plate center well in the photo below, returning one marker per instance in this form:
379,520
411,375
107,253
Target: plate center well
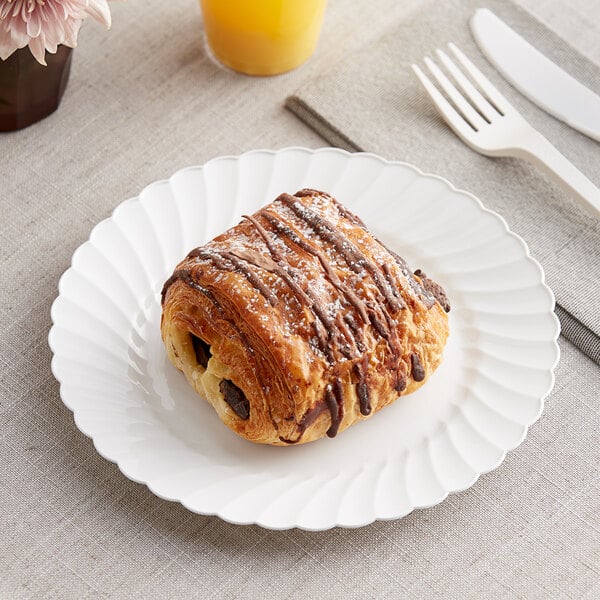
191,421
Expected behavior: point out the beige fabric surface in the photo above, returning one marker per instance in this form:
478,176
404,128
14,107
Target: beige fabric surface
143,101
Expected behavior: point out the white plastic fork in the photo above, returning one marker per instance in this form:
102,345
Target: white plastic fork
489,124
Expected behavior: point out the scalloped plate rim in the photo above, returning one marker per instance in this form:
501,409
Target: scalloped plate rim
260,521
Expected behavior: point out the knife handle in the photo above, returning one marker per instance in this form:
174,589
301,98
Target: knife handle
539,151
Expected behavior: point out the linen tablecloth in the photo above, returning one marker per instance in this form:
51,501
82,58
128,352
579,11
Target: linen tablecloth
143,101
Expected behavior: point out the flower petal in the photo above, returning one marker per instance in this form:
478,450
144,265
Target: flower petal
7,44
100,11
34,24
44,24
38,49
4,10
72,27
18,32
54,32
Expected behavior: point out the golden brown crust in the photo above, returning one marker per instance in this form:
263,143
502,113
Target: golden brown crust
312,323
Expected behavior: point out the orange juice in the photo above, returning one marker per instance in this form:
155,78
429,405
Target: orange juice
262,37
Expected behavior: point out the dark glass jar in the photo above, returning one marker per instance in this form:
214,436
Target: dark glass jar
30,91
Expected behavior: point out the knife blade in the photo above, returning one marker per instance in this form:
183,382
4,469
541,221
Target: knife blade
535,75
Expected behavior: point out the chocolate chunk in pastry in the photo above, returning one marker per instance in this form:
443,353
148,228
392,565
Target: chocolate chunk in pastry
297,322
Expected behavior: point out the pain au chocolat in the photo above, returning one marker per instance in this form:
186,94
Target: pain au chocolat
297,322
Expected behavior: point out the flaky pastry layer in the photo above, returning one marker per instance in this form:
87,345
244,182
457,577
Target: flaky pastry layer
297,322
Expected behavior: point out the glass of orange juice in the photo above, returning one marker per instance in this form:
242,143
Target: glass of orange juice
262,37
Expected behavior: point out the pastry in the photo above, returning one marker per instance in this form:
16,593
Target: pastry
297,322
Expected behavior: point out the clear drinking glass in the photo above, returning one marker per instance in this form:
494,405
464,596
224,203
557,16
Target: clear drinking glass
262,37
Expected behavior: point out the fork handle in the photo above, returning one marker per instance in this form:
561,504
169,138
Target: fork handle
539,151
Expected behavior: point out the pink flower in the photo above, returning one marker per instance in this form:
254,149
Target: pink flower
44,24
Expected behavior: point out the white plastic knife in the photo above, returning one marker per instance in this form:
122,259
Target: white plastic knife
535,76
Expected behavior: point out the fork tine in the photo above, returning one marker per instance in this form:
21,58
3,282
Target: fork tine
486,85
463,106
488,111
458,124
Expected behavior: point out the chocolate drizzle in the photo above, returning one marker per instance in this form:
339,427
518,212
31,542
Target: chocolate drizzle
349,295
288,274
369,312
168,283
334,399
420,290
416,367
355,259
310,416
435,289
228,261
362,389
186,276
